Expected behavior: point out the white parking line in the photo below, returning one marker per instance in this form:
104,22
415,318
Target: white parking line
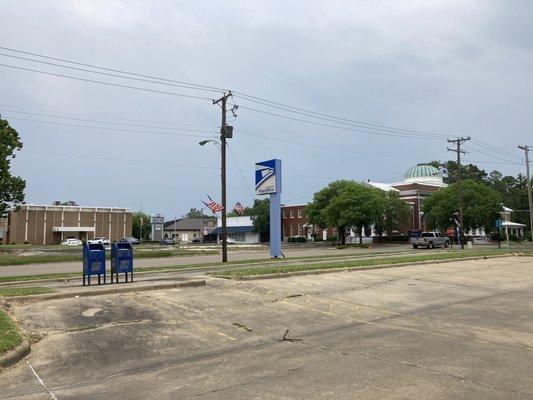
52,396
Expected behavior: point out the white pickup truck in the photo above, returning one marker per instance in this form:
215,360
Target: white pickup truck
430,240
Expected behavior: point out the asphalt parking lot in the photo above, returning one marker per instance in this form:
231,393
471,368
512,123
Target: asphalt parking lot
461,330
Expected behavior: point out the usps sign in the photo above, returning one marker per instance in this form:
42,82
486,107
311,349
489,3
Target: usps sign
268,177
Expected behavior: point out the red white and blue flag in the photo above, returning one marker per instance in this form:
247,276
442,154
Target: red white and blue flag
213,205
239,209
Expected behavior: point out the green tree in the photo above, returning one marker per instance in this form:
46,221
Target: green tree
393,212
357,206
316,210
146,226
468,171
196,213
11,187
482,206
260,215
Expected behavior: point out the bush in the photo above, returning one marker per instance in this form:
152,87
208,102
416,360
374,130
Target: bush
13,243
26,242
392,239
318,238
332,238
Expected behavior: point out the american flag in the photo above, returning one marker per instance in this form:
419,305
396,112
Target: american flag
213,205
239,209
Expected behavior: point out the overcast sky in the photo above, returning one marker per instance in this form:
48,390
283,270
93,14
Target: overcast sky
447,67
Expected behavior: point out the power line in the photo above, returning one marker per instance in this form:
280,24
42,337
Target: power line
106,73
494,149
159,80
118,129
242,174
338,120
103,116
113,70
90,120
338,127
491,155
107,83
137,161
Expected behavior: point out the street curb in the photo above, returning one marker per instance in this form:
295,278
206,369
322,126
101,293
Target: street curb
14,356
110,290
358,268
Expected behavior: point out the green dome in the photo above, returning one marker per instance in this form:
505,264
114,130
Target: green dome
422,171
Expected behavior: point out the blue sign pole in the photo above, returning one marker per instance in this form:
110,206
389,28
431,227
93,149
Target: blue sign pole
268,181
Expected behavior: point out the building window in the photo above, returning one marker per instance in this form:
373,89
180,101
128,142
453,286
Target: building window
291,214
284,215
300,213
290,230
300,230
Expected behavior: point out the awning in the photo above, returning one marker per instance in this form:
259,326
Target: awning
510,224
73,229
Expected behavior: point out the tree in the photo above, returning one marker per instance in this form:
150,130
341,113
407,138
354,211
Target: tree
196,213
260,215
316,210
146,226
11,187
468,171
482,206
393,212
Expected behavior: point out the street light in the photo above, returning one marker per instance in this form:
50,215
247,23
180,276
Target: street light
222,147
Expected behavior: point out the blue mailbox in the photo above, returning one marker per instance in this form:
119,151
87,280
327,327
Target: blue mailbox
121,260
93,261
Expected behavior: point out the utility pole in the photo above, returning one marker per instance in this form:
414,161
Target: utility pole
224,133
458,142
529,196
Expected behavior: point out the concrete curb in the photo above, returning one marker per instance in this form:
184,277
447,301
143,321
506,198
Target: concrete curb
14,356
358,268
110,290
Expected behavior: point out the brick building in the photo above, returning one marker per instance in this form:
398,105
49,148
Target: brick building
419,182
43,224
295,223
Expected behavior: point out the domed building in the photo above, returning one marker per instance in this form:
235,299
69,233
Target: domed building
418,183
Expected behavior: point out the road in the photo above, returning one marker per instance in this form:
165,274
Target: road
64,267
460,330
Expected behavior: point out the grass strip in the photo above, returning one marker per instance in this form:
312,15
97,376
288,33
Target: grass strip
236,273
9,334
25,291
12,259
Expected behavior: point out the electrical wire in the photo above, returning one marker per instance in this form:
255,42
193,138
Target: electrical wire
240,171
192,85
410,136
107,83
129,131
91,120
106,73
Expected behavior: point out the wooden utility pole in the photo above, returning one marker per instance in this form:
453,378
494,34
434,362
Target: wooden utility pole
223,135
458,142
529,196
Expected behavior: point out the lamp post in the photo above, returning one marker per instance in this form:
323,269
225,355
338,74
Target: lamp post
222,147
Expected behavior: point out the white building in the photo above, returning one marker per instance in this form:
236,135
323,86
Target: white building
241,229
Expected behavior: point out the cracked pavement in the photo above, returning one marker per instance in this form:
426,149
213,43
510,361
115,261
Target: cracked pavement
461,330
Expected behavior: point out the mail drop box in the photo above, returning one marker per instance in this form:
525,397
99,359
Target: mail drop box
93,261
121,260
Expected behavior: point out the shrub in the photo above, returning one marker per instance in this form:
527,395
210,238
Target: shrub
296,239
332,238
26,242
13,243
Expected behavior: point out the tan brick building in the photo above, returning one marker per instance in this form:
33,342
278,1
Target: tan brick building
43,224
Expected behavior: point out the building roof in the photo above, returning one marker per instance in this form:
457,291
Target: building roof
383,186
422,171
234,229
187,224
510,224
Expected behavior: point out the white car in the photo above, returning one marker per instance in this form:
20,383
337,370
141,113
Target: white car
229,241
72,242
99,240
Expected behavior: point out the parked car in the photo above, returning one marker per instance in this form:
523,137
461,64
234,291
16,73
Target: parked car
167,241
72,242
430,240
130,239
229,241
99,240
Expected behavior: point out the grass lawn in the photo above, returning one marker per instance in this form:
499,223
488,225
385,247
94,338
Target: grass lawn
9,334
14,259
25,291
451,255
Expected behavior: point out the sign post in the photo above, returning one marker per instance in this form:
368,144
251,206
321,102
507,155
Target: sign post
499,227
268,181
